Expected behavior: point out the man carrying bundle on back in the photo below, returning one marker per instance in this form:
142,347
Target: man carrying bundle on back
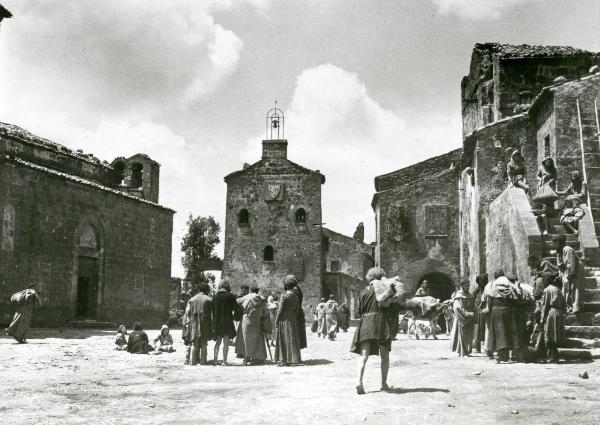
24,302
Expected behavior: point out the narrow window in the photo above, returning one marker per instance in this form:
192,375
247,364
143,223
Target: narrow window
547,146
268,253
244,217
136,174
335,266
300,216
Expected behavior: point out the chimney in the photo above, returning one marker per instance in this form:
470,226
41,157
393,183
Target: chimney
274,149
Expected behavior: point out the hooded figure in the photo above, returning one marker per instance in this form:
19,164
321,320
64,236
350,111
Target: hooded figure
300,320
547,173
462,328
331,317
516,171
320,315
164,340
256,324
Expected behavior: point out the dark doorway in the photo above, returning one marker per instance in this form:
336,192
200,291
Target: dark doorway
440,286
87,287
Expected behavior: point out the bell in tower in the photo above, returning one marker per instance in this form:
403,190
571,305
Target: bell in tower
275,124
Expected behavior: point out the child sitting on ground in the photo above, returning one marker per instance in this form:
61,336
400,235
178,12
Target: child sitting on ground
121,338
164,341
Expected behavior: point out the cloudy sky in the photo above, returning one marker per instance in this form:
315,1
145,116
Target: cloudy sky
368,86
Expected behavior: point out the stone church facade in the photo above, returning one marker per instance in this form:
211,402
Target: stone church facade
453,216
90,234
274,227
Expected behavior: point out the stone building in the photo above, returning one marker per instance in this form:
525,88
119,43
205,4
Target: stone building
273,227
540,100
416,219
90,234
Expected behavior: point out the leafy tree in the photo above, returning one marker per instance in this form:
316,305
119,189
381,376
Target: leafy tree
198,248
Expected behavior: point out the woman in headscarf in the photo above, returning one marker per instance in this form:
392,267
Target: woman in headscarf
577,188
553,318
373,335
164,341
504,324
138,341
223,305
462,329
300,320
287,342
517,171
547,173
572,273
25,301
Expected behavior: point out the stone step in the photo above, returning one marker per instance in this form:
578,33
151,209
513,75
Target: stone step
591,307
549,245
582,319
591,295
591,283
91,324
575,354
583,343
589,332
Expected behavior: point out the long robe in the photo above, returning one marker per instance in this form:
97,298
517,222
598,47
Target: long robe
223,305
486,312
300,320
573,278
462,328
256,322
553,315
331,317
287,344
138,343
199,313
22,319
320,314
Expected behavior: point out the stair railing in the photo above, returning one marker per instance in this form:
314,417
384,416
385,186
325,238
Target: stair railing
583,155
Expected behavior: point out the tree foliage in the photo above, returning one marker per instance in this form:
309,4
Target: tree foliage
198,248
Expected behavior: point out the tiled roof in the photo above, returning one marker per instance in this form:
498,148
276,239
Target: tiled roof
80,180
525,50
16,132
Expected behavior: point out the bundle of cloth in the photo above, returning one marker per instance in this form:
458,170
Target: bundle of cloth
423,305
390,292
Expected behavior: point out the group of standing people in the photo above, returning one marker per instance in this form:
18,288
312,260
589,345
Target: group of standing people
330,317
261,323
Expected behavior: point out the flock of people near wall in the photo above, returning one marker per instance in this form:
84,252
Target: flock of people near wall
547,192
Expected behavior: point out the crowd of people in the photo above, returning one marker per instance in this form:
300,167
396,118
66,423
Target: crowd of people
329,318
250,321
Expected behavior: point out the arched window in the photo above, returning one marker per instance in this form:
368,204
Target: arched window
300,216
244,217
87,237
119,171
136,174
8,228
268,253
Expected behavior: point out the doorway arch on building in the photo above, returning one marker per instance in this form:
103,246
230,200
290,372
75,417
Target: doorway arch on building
88,270
441,286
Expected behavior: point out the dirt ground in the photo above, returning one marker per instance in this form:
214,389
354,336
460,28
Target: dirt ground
76,376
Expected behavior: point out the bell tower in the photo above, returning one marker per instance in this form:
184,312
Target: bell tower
274,145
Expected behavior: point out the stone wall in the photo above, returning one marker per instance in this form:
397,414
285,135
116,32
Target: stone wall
512,234
353,257
50,211
417,230
487,152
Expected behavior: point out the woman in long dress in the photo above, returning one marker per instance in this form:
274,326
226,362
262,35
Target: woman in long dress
256,324
373,335
505,335
19,326
553,318
287,343
462,329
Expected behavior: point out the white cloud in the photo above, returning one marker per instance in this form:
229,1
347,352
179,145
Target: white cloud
477,9
334,125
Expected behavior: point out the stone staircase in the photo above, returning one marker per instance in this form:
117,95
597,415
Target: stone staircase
582,328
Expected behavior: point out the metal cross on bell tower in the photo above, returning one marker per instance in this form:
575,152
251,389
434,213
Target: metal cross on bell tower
275,124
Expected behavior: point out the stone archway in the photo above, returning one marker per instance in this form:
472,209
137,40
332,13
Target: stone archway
440,285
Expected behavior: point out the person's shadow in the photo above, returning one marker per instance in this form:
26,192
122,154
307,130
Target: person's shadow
414,390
